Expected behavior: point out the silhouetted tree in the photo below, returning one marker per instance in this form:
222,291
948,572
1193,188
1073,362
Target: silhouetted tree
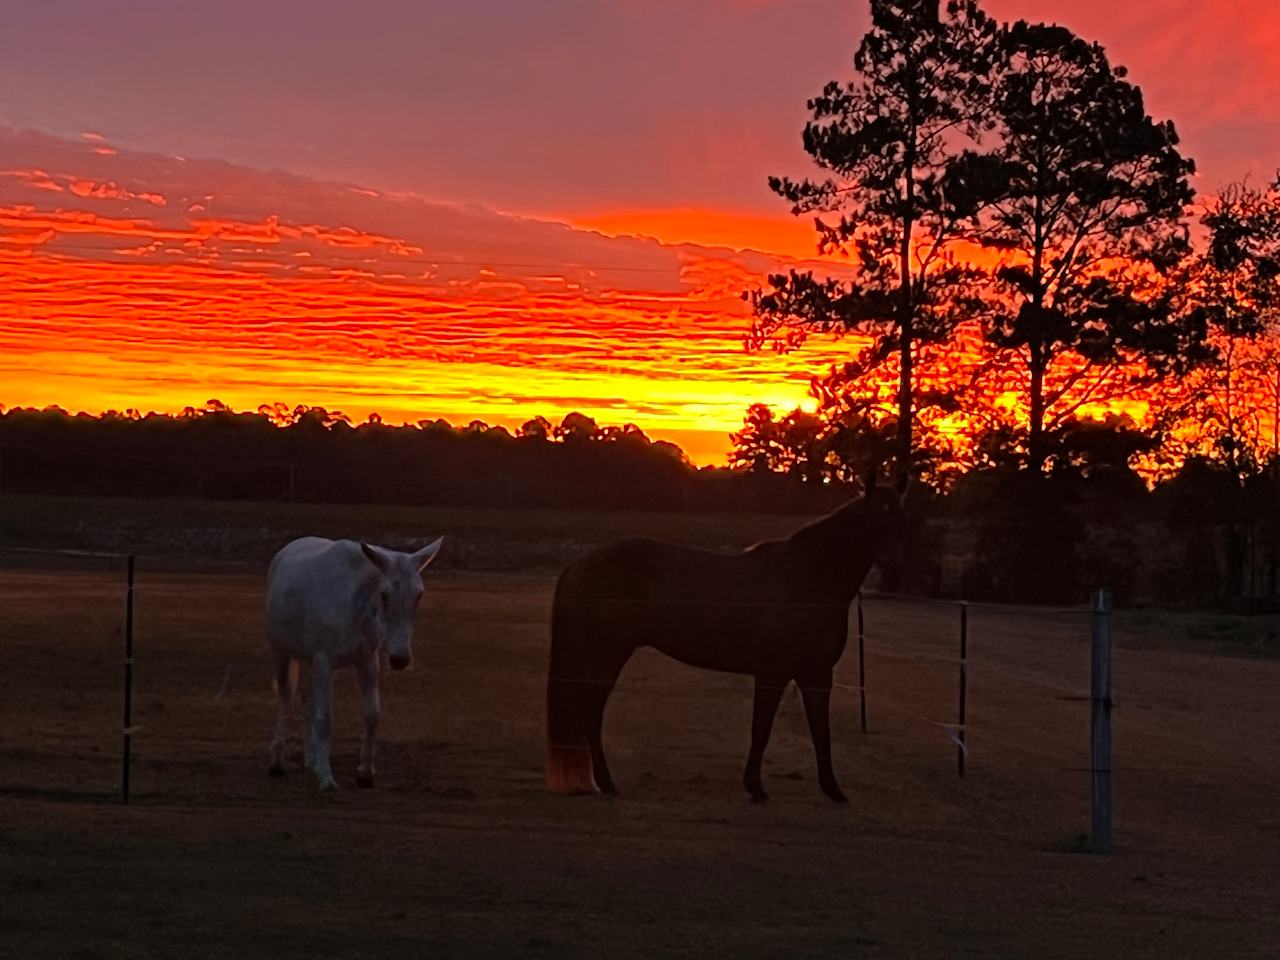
674,452
278,413
1231,289
766,444
577,428
901,191
861,405
1087,221
539,428
853,444
1095,448
627,433
809,447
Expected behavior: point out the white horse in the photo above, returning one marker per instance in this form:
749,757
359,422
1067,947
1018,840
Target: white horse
339,603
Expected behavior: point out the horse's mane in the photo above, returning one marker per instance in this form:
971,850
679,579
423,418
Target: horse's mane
816,530
811,532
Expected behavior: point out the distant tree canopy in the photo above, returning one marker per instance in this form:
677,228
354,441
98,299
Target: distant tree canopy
313,454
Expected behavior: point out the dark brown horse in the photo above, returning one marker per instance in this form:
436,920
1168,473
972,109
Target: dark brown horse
777,611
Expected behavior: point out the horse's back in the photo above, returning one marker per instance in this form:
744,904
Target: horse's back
642,569
727,611
301,553
310,580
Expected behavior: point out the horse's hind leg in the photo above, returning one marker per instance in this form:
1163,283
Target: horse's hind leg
581,677
767,697
604,676
816,692
595,734
284,698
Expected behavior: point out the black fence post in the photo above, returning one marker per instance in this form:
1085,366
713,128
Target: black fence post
128,686
964,655
862,667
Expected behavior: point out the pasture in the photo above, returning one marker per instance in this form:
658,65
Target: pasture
460,852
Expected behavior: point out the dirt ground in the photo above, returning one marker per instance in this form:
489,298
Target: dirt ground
459,852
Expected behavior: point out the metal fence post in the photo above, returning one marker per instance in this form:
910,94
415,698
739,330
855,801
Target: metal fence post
1100,694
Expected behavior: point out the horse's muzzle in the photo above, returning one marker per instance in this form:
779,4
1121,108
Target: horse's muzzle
400,663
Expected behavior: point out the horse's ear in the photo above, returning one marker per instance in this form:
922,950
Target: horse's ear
869,483
376,557
427,554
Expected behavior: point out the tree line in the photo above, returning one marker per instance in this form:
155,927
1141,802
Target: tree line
999,533
312,454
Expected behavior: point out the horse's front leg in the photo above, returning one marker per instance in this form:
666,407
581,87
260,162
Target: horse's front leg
321,719
816,692
768,696
367,676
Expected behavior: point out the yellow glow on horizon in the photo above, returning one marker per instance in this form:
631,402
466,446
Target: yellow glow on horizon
91,335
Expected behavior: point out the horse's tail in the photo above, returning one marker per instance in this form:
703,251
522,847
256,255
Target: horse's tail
569,768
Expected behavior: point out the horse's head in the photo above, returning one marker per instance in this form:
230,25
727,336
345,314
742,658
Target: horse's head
889,528
396,595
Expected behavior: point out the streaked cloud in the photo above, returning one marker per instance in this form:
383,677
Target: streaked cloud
141,280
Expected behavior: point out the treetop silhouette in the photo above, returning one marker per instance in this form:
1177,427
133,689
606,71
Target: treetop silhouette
900,191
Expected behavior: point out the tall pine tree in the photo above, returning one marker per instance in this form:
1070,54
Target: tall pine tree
901,189
1088,218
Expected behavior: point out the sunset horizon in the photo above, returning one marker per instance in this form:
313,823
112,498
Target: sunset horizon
154,265
392,320
140,278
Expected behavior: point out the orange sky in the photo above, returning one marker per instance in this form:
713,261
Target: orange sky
145,281
132,277
138,280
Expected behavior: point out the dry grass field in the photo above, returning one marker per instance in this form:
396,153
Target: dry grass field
459,852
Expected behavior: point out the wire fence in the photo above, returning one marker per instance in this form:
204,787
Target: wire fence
912,632
973,656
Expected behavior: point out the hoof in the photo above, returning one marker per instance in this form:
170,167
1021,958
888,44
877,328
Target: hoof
328,786
759,797
836,794
364,781
276,769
